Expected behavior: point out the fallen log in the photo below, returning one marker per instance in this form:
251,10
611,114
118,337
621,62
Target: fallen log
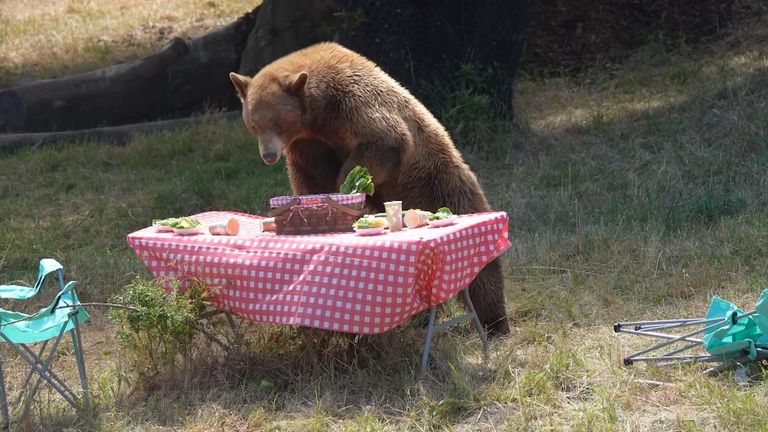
183,78
116,135
118,94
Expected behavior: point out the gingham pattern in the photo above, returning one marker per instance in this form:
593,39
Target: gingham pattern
337,281
317,199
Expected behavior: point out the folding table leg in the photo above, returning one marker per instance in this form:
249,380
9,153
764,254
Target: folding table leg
476,321
428,341
432,329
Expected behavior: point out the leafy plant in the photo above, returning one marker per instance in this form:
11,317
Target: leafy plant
159,326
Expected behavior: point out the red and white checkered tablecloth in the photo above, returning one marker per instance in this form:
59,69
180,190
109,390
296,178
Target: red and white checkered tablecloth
339,281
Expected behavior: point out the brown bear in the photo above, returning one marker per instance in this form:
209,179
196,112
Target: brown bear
329,109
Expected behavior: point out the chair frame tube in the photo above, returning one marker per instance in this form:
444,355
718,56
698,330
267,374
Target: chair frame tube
44,371
644,328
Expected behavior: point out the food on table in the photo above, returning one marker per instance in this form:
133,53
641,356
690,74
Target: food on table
164,222
367,222
441,214
185,222
443,217
359,180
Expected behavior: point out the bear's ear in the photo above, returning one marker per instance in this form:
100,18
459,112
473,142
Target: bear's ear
241,84
297,82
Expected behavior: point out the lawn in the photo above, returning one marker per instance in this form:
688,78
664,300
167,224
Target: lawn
634,194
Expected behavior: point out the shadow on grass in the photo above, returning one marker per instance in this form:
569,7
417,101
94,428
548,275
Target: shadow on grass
689,165
293,373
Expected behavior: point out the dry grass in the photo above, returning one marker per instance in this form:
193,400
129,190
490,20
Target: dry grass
48,38
632,196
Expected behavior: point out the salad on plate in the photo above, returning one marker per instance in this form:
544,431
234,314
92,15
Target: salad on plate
370,225
183,226
442,217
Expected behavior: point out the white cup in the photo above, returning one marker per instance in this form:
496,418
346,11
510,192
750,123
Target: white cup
229,227
415,218
265,225
394,210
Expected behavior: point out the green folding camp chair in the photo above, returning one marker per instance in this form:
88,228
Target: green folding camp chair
730,335
20,292
19,330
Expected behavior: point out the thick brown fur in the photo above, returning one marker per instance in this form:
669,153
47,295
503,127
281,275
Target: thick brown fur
328,109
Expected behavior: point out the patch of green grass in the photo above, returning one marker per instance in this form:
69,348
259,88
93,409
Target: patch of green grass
634,196
78,202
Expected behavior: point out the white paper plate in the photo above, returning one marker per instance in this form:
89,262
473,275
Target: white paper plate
369,231
163,228
441,222
190,231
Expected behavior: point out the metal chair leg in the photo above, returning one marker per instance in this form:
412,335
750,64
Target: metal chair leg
38,361
3,401
31,370
44,373
76,341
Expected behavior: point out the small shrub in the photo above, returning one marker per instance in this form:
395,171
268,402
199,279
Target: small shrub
157,331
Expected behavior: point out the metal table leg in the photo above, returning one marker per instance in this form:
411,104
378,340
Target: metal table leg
476,321
428,341
433,329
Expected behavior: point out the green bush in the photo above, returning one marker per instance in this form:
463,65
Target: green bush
158,325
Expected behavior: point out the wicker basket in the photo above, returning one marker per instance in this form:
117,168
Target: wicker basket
312,214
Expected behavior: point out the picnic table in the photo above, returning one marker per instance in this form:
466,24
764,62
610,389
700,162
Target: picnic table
335,281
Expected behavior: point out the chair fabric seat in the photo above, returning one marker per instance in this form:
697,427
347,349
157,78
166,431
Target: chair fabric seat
43,325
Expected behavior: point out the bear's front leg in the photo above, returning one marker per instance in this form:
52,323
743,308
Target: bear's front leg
313,167
382,160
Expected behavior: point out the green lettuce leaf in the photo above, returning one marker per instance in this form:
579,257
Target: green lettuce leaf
359,180
442,213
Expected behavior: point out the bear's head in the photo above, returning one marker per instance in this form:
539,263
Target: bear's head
272,109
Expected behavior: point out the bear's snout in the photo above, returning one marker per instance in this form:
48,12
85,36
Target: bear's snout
270,158
270,147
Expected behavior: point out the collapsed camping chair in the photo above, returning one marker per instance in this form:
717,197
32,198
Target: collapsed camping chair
20,330
730,335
